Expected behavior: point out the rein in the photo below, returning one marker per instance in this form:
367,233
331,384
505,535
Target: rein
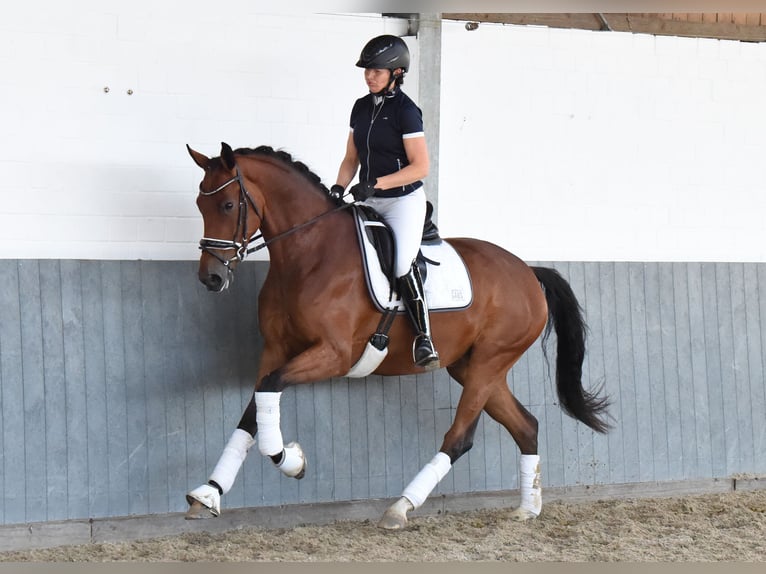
210,245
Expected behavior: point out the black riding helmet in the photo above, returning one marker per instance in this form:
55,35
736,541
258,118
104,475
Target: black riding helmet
385,52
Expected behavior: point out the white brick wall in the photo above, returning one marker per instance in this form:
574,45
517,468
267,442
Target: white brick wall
90,174
576,145
556,144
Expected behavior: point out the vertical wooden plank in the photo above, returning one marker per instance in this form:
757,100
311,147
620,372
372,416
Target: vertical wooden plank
442,420
727,385
754,313
12,380
699,360
114,377
304,404
612,371
376,433
673,413
720,345
392,417
641,380
685,376
426,421
461,470
55,390
34,389
249,346
625,364
156,422
136,405
741,374
95,388
359,452
570,436
323,424
176,304
341,439
193,365
585,455
76,390
714,368
597,369
762,384
656,379
408,385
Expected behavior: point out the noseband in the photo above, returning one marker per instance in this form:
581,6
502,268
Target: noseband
240,243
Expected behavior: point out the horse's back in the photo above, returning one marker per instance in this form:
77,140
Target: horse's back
486,261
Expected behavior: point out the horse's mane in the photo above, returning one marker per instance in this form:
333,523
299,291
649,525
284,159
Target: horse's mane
298,166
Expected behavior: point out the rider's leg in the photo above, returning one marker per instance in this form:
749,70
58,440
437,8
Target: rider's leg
405,216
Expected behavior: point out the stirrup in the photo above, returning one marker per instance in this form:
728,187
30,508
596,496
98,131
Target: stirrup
424,354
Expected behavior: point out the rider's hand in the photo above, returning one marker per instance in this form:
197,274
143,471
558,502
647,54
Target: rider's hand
337,190
363,190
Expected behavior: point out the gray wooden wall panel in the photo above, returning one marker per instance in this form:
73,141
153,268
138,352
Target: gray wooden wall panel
120,383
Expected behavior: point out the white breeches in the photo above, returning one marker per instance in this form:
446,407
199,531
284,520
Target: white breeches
405,215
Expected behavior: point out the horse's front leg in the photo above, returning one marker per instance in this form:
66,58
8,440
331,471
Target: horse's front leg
205,500
261,420
318,362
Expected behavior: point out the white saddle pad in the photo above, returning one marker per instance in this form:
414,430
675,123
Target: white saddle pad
447,285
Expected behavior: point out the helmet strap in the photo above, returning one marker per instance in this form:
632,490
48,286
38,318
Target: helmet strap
388,90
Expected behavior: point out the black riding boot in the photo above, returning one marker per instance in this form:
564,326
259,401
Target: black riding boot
412,294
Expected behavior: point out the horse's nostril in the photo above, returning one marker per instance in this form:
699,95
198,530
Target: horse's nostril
213,282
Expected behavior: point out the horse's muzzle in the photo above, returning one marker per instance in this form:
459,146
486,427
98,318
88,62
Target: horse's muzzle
214,281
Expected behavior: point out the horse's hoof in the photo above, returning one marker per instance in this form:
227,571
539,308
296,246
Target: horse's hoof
391,521
198,511
204,502
294,461
395,518
522,515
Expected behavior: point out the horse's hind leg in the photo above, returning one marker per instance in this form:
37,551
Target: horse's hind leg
522,425
457,441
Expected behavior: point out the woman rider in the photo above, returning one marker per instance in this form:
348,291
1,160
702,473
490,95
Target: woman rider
387,143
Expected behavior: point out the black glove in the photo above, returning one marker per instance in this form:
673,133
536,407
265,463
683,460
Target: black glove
337,191
363,190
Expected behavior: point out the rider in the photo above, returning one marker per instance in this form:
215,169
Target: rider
388,143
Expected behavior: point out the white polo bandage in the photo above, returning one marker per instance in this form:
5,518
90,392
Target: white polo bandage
426,480
231,460
267,416
530,483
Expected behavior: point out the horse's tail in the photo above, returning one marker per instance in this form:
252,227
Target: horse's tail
566,317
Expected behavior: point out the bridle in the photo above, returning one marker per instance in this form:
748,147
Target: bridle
240,242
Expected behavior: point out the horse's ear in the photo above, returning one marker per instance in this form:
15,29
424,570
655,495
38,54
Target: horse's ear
227,156
200,159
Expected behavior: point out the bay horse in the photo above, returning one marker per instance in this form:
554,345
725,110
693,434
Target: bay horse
316,317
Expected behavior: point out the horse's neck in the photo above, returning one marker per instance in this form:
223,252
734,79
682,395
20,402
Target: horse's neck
291,201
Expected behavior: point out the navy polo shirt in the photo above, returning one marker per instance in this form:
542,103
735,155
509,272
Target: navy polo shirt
379,133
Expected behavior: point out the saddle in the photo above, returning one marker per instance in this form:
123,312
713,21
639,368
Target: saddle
381,236
447,286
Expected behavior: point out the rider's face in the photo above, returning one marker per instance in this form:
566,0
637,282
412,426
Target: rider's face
377,79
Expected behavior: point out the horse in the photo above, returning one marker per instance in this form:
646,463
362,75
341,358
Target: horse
316,317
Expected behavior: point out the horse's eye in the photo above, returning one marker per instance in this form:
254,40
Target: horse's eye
228,206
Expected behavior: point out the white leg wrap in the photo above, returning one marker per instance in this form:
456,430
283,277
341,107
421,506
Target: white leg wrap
231,460
426,480
267,416
531,490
